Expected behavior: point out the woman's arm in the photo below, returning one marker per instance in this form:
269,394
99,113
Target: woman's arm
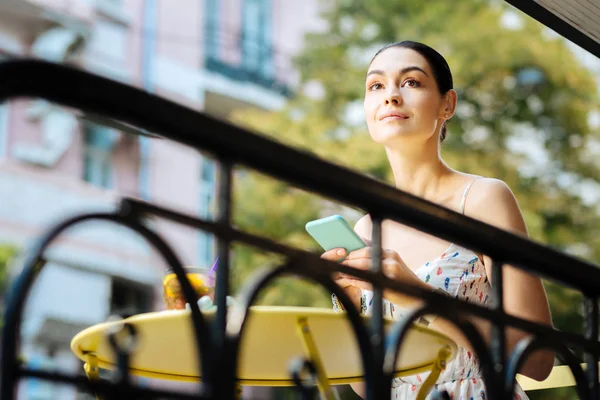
491,201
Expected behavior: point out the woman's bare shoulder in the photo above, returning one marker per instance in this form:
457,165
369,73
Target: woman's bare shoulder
492,201
485,190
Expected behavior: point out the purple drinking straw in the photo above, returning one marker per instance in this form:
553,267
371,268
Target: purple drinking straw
215,265
213,270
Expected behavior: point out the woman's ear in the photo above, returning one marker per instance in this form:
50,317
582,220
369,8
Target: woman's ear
449,104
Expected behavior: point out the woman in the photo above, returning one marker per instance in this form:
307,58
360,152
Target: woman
409,98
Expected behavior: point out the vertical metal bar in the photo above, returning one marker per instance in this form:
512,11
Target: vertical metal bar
498,344
376,389
223,219
225,380
591,332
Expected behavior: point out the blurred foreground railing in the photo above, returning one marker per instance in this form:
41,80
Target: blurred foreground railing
219,341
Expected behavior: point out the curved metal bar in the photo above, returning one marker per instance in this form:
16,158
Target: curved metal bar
398,333
80,89
527,346
22,285
239,316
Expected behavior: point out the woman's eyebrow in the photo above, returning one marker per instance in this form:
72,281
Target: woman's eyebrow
402,71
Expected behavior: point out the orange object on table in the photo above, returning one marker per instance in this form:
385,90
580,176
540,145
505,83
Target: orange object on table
201,279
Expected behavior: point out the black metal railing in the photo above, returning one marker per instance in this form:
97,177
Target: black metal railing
219,341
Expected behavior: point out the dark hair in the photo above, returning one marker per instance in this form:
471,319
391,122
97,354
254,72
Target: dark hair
438,64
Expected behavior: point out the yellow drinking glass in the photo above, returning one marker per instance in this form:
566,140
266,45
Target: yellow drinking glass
201,279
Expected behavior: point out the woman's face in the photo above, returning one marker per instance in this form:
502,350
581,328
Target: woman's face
401,97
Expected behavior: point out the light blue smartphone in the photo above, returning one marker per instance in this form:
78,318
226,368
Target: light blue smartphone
333,232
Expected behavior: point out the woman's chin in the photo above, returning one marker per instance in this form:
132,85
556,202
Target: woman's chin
390,137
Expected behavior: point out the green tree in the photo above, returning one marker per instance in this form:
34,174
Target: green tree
520,89
7,253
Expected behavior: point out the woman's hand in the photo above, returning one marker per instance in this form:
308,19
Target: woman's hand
346,282
392,267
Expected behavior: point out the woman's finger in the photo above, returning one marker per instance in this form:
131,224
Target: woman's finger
391,254
391,268
346,282
367,252
334,254
353,283
339,275
362,285
358,263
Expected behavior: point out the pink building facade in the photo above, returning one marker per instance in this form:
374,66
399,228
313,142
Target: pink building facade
212,56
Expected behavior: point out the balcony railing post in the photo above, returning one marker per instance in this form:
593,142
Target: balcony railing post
377,388
226,384
498,343
591,332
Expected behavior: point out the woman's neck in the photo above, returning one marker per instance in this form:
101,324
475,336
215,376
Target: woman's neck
418,170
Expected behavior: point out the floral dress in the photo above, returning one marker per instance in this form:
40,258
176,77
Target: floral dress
460,273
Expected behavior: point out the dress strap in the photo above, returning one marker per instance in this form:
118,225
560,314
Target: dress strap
464,197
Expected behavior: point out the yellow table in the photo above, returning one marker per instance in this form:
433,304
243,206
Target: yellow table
271,340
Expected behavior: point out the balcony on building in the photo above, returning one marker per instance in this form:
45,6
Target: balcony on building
244,67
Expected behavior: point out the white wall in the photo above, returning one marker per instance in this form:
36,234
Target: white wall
67,294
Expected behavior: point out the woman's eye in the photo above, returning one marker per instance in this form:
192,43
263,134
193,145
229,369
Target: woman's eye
411,83
375,86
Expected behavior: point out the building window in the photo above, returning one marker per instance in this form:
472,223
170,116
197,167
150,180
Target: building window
113,10
206,251
98,168
247,56
129,298
257,49
108,49
149,24
212,29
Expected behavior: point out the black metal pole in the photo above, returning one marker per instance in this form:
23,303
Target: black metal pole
227,378
498,342
377,387
591,332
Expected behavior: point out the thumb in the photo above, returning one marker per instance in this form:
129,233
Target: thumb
367,241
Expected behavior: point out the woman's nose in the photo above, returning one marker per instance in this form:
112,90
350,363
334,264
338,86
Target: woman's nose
393,97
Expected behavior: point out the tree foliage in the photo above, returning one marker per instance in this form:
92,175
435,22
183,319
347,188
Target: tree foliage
7,254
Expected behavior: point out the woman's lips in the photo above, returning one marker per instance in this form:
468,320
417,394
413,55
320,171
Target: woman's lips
393,116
